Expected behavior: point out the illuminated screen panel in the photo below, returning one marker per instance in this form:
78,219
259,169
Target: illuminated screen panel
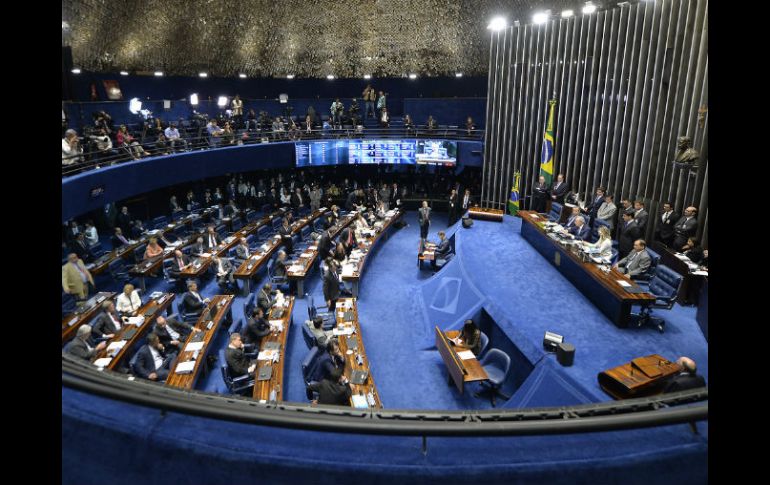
396,152
321,153
436,152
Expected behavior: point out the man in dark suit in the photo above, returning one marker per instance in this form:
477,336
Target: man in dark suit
124,220
453,203
571,220
119,239
467,201
153,362
296,199
137,230
80,247
223,269
286,233
423,217
172,333
236,359
665,230
178,264
242,251
580,230
334,390
640,215
628,232
687,379
231,210
211,239
81,346
352,201
325,245
256,327
685,228
539,195
329,360
279,269
192,301
443,249
348,239
598,200
108,323
559,189
265,298
331,283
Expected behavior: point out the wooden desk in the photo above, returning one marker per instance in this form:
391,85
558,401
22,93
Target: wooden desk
309,256
202,263
91,308
365,246
350,359
486,214
262,388
643,376
689,291
220,309
601,288
460,371
163,303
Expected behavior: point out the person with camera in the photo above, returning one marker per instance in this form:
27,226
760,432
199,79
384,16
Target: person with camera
71,151
370,96
336,110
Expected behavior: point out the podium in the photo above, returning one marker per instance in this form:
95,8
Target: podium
643,376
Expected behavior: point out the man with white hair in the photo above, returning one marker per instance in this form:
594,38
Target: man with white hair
580,230
71,151
687,379
80,347
75,277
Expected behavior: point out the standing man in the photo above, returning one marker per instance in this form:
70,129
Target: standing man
539,195
237,111
423,217
370,96
685,228
607,211
640,215
559,190
665,230
467,201
75,277
381,101
628,233
597,202
385,197
453,203
315,198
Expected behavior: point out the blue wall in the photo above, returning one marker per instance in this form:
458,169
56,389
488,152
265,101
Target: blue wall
137,177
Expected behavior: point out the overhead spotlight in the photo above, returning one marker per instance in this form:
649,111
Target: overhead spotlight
124,73
242,76
159,73
290,76
565,14
330,77
589,8
194,99
497,24
367,76
540,18
458,74
413,76
203,74
222,101
76,71
135,106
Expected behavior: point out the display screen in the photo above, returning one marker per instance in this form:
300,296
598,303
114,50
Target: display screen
394,152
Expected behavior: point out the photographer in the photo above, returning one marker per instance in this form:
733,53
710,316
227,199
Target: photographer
71,151
336,110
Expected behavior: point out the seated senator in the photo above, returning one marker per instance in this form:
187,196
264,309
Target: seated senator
153,361
237,362
687,379
172,332
333,389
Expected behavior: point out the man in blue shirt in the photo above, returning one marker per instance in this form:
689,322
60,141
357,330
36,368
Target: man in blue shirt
172,135
214,132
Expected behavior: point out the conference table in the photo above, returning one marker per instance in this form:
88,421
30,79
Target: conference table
348,332
119,346
463,366
354,268
192,355
610,290
201,263
299,269
272,350
92,307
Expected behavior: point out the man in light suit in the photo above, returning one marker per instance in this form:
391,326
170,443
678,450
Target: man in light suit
637,262
75,277
665,230
580,230
640,215
423,218
559,189
685,228
242,251
607,211
315,199
224,271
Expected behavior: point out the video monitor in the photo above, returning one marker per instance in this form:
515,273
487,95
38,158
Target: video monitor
436,152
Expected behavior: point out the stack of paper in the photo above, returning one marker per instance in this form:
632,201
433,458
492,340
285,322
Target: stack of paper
193,346
276,325
466,355
346,330
116,345
72,321
103,362
348,270
135,320
268,355
185,367
359,401
624,283
296,268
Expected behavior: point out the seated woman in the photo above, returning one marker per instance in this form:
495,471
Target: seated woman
469,338
128,302
693,250
604,244
153,249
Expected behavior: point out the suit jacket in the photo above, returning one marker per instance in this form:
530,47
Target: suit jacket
71,279
116,243
255,329
331,286
593,208
237,362
103,325
175,263
685,381
583,233
559,191
324,246
227,266
453,200
351,201
242,253
641,219
327,363
295,201
423,216
685,228
539,196
285,232
229,211
206,242
330,392
636,265
666,228
279,269
145,364
607,213
191,304
124,222
264,301
79,348
627,236
695,254
467,204
182,328
81,249
443,248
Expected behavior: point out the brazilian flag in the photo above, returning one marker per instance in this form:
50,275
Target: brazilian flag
546,160
513,203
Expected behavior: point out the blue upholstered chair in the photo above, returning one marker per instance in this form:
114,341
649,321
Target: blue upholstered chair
665,286
308,364
555,211
484,344
496,364
236,327
118,270
308,337
237,384
328,317
139,253
654,260
248,305
263,233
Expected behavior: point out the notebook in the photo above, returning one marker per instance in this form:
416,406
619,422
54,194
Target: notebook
359,377
352,342
151,311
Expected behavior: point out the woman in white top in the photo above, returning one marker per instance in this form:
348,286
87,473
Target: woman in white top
129,301
361,223
285,197
92,237
604,243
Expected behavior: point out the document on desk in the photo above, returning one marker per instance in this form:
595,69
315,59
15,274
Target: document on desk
193,346
701,273
276,325
348,270
116,345
296,268
624,283
268,355
359,401
103,362
135,320
466,355
185,367
73,320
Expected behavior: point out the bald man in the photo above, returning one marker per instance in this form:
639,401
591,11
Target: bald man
75,277
687,379
685,227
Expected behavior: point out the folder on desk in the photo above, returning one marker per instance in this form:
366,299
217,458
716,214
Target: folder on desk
359,401
265,372
198,337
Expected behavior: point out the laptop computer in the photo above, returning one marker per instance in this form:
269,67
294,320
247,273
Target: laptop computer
128,334
359,377
265,372
150,312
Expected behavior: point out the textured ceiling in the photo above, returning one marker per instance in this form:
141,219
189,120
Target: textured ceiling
308,38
